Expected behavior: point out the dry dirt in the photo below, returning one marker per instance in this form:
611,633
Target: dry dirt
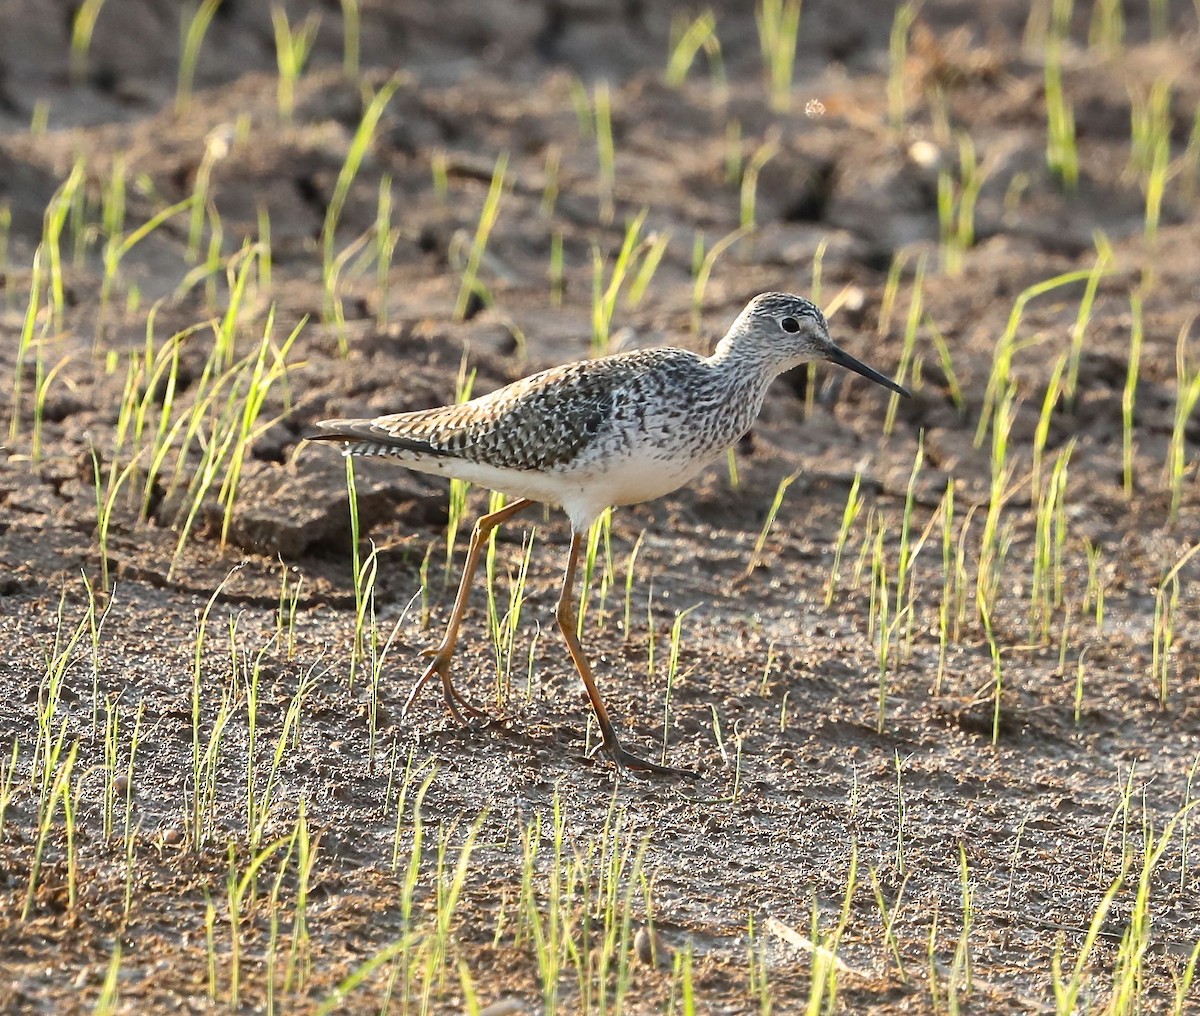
776,701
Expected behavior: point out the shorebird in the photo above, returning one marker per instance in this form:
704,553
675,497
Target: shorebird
617,430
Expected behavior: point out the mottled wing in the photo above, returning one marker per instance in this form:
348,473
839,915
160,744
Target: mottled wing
538,423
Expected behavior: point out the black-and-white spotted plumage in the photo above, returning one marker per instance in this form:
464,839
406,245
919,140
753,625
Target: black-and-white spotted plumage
616,430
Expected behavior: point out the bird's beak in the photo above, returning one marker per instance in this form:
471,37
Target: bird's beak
844,359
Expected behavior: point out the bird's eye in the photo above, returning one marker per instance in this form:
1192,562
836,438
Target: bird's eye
790,324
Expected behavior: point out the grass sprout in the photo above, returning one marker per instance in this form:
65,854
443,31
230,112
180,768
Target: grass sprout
687,39
292,49
470,285
1062,156
749,189
195,27
605,150
761,542
82,27
902,23
1187,396
778,33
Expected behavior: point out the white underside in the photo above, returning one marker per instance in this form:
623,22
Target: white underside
582,493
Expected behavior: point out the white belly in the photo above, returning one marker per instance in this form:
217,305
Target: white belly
583,492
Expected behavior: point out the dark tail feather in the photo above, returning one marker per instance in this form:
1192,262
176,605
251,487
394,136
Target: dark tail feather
365,437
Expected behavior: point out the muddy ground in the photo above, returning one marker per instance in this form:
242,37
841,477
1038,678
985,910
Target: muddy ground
776,697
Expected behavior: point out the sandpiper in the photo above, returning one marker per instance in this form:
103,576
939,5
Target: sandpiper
589,435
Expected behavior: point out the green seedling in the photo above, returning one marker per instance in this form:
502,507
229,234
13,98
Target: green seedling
198,814
505,626
1150,156
759,972
351,38
8,773
1062,156
1100,268
239,891
1106,31
600,533
902,22
889,916
849,515
581,102
115,251
457,508
901,819
109,1000
605,151
951,585
672,673
956,205
999,380
550,175
195,27
778,33
605,294
292,49
826,965
1166,611
734,157
891,293
1050,525
216,147
702,267
106,498
652,249
687,39
1129,394
54,225
947,364
82,27
915,312
364,138
630,572
386,238
749,189
557,271
761,542
883,621
993,544
226,419
470,285
906,587
1187,396
39,120
59,795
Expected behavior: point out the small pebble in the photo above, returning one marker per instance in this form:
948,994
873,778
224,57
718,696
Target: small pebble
924,153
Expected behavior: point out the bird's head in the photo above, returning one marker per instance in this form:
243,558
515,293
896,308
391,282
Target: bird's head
785,331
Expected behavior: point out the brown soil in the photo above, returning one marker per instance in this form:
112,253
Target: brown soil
776,700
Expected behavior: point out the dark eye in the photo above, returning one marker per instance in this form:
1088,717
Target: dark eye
790,324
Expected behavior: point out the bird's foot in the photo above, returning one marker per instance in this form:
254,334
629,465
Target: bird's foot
464,711
627,760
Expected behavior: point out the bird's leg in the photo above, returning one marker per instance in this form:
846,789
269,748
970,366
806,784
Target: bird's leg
567,623
444,653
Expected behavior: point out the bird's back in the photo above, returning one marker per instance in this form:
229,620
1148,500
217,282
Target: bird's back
547,421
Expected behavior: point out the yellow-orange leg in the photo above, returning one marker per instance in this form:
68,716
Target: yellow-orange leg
568,623
444,653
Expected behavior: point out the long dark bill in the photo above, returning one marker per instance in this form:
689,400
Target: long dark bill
843,359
